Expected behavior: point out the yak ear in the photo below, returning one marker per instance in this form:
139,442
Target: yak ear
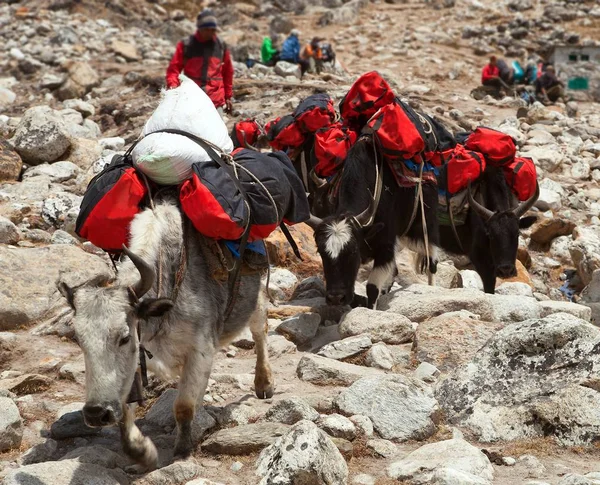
153,307
526,222
371,231
68,293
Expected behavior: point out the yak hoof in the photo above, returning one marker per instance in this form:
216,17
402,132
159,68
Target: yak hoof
264,387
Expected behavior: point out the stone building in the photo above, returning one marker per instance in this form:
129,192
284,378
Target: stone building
579,68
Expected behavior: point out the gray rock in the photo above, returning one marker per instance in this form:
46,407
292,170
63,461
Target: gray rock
427,372
574,479
585,252
400,408
236,413
71,425
551,307
278,345
515,289
337,426
290,411
328,372
41,136
29,279
380,326
22,384
470,279
286,69
303,455
9,233
447,462
379,357
342,349
86,109
283,278
382,448
497,395
57,172
178,472
363,479
11,425
300,329
364,425
62,237
243,440
97,455
39,453
533,466
67,472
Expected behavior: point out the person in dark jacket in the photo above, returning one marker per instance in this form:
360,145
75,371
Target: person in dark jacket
548,87
290,51
205,58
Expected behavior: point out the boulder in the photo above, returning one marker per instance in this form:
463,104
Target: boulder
83,152
10,163
342,349
305,454
243,440
11,425
97,455
26,384
126,50
9,233
337,426
380,326
175,473
585,252
41,136
546,230
285,69
29,277
66,472
496,395
300,329
281,254
290,411
283,278
400,408
380,357
450,462
328,372
551,307
71,425
58,172
81,79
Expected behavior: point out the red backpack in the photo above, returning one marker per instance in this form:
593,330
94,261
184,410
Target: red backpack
397,134
331,148
111,200
464,166
369,93
315,112
284,133
521,177
245,133
498,148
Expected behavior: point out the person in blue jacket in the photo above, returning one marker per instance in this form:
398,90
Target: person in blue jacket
290,51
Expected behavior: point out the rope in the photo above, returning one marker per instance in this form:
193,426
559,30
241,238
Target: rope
304,170
424,220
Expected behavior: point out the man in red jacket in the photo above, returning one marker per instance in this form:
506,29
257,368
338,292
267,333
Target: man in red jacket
205,58
490,76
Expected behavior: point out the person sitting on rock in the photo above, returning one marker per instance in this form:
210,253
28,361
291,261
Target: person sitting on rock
269,53
311,58
490,77
205,59
290,51
548,87
507,73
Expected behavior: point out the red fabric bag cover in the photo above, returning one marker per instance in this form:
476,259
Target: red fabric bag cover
397,135
521,177
285,133
369,93
498,148
315,112
439,159
464,166
111,201
331,148
246,133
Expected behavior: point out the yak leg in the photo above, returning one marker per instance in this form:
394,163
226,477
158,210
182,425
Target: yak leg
135,445
192,386
264,384
384,267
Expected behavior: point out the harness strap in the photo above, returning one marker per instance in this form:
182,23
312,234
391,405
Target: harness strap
290,240
452,224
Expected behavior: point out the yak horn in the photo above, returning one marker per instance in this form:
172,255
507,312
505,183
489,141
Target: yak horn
314,222
483,212
147,274
523,207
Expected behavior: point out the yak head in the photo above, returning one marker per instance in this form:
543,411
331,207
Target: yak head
105,323
502,229
343,244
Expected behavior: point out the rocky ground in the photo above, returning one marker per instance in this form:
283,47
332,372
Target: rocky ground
443,385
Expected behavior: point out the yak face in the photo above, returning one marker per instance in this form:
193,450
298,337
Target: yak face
343,245
105,323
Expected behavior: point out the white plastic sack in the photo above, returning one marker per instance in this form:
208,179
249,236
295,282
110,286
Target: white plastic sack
167,158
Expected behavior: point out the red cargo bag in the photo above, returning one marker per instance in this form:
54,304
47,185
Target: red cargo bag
369,93
498,148
284,133
216,207
463,167
111,200
315,112
521,177
331,148
246,133
396,133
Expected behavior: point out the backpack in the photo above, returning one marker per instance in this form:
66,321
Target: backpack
464,166
395,129
442,139
284,133
315,112
521,177
331,148
245,133
111,200
216,206
498,148
369,93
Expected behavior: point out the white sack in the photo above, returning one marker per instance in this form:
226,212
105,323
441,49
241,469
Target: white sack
167,158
